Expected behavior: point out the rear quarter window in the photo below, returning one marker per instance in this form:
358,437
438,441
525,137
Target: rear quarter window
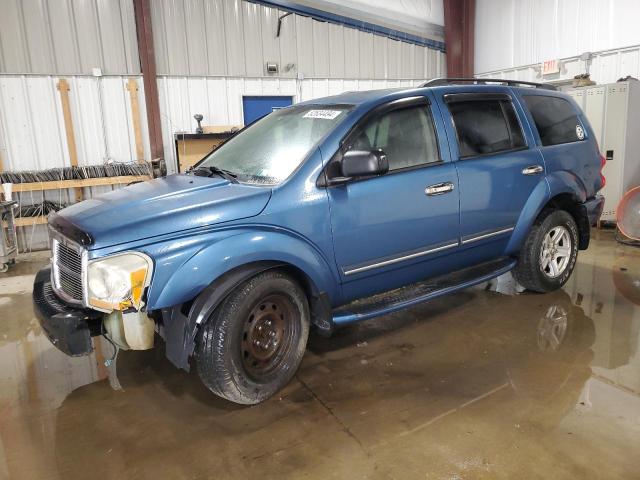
556,119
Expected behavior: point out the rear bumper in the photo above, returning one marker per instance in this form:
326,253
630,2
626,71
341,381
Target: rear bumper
594,209
69,329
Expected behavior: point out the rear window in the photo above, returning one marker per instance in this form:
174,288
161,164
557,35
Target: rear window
485,127
555,118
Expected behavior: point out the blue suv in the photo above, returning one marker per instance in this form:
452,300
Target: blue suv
328,212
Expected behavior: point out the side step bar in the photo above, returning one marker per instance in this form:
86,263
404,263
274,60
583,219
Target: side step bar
394,300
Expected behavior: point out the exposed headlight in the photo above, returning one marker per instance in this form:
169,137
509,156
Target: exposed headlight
118,282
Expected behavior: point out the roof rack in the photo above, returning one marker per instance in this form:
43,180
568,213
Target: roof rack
436,82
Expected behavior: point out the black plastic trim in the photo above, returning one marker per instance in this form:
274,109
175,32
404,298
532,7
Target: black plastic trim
69,230
69,329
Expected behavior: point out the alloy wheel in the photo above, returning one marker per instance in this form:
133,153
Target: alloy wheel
556,252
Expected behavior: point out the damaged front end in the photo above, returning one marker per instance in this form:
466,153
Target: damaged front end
77,297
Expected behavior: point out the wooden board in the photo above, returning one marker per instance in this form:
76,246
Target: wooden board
192,150
132,87
89,182
28,221
63,88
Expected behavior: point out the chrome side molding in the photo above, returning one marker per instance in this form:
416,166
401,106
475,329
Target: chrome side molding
391,261
487,235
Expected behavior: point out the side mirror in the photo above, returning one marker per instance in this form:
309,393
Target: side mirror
363,163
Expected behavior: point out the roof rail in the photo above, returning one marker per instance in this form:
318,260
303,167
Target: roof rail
437,82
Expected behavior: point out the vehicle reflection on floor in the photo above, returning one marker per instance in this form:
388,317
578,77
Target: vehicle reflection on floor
485,383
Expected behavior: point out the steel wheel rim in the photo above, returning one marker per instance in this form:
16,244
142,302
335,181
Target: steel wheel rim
556,252
267,336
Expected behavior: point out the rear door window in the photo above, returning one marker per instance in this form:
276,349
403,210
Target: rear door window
485,126
555,118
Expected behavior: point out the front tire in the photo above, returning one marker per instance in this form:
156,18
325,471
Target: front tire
549,253
254,342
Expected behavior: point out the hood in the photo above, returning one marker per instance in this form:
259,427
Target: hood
162,206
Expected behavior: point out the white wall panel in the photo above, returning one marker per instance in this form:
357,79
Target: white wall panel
237,38
215,37
407,60
513,33
336,51
195,18
252,39
12,38
33,137
67,37
320,49
395,58
605,67
366,58
270,43
288,46
32,133
304,43
219,100
351,53
381,57
38,41
234,32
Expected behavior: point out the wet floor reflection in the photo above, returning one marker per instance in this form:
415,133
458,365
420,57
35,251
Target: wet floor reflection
487,383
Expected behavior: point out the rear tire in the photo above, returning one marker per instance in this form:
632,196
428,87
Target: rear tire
549,253
254,342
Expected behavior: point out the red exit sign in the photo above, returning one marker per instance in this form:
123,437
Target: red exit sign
550,66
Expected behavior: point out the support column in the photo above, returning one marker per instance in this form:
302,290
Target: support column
459,31
146,52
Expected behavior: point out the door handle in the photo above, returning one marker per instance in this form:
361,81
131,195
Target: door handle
532,170
438,189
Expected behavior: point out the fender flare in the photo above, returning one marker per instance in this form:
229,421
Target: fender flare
536,201
180,327
243,247
556,183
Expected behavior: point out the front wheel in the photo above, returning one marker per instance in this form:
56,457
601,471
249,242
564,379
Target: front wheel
254,342
549,253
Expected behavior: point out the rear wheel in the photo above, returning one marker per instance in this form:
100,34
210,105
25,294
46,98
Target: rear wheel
254,342
549,253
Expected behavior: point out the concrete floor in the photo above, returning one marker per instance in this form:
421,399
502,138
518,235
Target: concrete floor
481,384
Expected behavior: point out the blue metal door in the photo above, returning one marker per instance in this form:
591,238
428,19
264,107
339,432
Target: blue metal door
255,107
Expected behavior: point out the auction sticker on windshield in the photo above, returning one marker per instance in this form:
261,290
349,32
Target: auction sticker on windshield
325,114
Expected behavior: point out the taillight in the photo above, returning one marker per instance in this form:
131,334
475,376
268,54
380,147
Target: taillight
603,162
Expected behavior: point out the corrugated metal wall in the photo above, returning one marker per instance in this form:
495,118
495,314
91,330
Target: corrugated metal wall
219,100
237,38
68,37
605,67
32,131
513,33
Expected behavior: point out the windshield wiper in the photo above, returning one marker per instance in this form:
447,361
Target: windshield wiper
221,172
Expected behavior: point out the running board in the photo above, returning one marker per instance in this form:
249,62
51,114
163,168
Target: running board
394,300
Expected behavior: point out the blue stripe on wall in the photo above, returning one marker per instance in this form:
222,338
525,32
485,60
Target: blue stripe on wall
352,22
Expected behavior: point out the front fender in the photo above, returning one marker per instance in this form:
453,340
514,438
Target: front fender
240,247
